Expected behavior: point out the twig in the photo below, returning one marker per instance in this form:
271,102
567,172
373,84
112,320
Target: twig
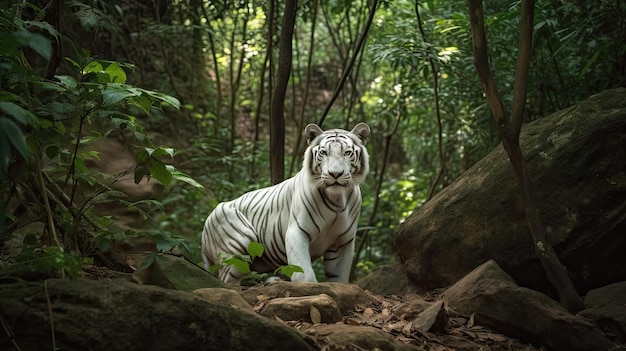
348,69
46,202
435,71
45,287
9,333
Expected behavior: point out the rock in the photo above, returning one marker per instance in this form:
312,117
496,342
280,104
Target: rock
313,309
107,315
607,307
410,309
388,280
224,297
346,337
432,319
577,163
495,301
173,272
347,296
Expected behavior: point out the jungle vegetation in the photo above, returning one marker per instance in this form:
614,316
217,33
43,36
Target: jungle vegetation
212,96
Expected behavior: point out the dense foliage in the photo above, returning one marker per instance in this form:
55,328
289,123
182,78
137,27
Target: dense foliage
413,82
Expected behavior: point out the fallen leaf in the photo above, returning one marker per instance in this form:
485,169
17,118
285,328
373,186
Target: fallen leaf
316,316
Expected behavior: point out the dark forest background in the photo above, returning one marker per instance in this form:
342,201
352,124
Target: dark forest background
192,89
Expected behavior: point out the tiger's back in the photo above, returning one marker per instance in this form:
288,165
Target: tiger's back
312,214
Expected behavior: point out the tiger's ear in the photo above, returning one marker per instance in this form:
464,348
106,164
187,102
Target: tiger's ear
311,131
361,130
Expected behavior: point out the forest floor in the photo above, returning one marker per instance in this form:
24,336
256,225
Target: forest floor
457,333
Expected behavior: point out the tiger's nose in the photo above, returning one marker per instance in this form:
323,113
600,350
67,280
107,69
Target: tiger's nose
336,175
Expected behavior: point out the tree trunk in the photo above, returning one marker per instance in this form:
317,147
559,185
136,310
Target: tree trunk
277,119
509,128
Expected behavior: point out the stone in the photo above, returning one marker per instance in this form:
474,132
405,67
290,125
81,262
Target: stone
347,296
497,302
303,308
577,162
119,315
174,272
432,319
607,307
224,297
346,337
388,280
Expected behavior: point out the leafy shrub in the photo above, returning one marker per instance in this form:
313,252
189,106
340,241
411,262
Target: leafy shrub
45,128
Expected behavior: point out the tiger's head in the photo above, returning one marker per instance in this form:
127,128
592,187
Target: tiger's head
337,159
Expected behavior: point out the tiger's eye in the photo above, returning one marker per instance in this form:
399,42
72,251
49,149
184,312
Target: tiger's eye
323,152
348,153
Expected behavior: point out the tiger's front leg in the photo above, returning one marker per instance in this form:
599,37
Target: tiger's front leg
297,248
338,263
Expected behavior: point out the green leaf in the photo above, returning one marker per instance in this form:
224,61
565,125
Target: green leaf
241,265
290,269
165,245
140,172
214,268
147,262
21,115
93,67
116,73
166,99
159,171
178,175
105,244
142,155
35,41
67,81
15,137
5,158
255,249
111,95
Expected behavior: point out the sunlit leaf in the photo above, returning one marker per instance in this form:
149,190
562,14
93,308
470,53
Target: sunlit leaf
256,249
290,269
241,265
116,73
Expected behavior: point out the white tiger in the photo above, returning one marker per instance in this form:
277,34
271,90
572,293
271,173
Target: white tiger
314,213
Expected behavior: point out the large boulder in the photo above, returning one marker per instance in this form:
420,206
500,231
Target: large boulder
118,315
577,161
496,301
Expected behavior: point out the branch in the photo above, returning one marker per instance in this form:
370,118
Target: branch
521,70
355,54
481,61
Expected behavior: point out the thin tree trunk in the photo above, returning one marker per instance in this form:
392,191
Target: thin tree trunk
218,82
277,107
435,72
509,127
297,154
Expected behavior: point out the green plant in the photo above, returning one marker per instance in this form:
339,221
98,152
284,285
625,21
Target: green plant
242,264
47,124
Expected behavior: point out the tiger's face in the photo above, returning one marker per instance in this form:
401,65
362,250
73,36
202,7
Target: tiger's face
337,159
